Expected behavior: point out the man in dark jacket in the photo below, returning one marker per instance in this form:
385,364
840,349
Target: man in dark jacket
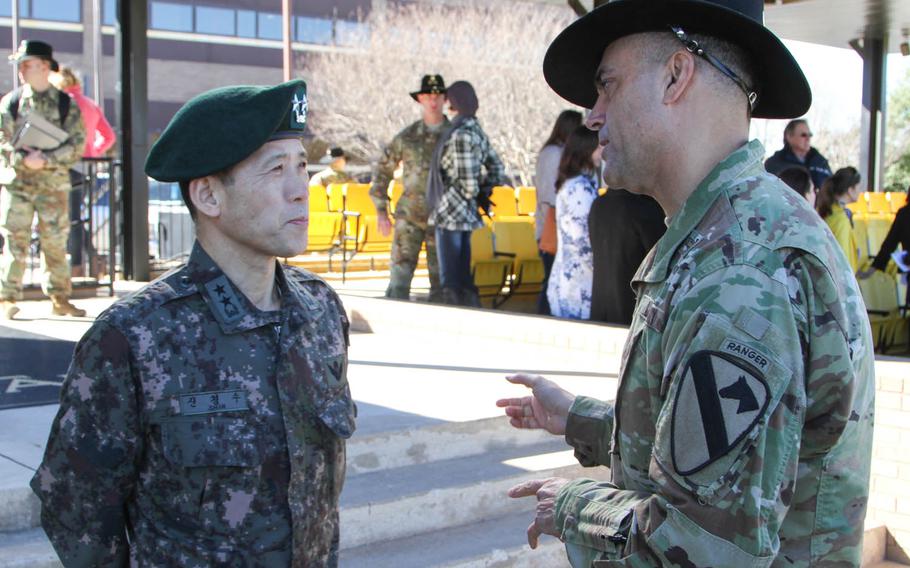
798,151
623,228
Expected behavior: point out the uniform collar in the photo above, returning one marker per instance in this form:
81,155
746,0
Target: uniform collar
230,307
29,92
745,160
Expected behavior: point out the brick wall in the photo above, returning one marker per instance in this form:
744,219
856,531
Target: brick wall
889,501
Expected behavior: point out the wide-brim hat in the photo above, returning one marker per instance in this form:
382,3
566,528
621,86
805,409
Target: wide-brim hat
574,56
430,85
34,49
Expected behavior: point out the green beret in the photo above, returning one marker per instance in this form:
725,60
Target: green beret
220,128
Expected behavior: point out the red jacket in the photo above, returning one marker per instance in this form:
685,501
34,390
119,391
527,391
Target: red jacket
99,136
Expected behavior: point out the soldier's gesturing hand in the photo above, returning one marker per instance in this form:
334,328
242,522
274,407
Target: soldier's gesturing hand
545,520
384,224
546,408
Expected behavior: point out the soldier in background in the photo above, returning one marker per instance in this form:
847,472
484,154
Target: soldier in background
203,419
741,434
414,147
335,172
37,181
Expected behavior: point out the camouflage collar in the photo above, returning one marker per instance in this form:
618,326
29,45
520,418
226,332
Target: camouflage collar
231,308
744,161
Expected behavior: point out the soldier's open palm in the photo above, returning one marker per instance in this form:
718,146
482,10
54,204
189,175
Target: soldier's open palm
547,408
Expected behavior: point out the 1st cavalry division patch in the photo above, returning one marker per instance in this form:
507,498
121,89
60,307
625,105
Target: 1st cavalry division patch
718,402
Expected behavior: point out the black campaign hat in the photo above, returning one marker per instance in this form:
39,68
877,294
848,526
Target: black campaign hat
220,128
34,49
430,85
573,57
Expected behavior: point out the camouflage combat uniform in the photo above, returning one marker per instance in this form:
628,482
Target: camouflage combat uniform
742,431
329,176
414,146
45,192
201,429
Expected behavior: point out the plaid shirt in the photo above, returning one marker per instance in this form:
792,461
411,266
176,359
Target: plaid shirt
468,162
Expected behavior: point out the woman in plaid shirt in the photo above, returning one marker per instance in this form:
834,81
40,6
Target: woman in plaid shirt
466,162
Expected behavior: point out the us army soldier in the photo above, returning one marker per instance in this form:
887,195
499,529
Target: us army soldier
741,434
37,181
414,147
203,419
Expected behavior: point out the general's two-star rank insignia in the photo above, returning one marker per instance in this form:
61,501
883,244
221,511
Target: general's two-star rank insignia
719,401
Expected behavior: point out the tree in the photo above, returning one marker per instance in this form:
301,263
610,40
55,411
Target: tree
897,148
359,96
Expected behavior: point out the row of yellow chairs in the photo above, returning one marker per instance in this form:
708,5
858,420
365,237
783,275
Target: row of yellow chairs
886,202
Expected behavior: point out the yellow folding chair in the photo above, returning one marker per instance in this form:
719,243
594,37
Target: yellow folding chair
516,239
897,200
489,269
504,202
879,292
527,200
878,202
324,231
336,196
319,199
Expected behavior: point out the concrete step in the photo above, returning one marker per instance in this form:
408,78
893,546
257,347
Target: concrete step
394,503
19,508
412,446
490,543
27,549
494,542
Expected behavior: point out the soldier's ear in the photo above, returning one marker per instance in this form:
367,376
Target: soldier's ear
205,198
679,71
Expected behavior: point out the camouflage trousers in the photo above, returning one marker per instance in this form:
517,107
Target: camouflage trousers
17,209
405,249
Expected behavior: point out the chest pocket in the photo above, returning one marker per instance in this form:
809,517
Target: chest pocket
717,411
211,441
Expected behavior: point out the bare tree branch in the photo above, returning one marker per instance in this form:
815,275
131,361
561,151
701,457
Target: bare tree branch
360,99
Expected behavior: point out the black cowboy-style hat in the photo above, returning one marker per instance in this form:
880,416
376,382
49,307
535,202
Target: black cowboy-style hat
781,88
431,85
34,49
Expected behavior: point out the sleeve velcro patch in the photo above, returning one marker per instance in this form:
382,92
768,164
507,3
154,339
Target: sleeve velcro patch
718,402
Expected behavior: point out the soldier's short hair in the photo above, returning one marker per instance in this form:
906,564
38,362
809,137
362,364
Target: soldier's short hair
658,46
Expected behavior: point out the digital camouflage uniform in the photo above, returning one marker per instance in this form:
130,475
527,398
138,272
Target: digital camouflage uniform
196,430
414,147
742,431
45,192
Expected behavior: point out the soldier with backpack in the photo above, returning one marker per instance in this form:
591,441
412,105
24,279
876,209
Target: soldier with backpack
36,180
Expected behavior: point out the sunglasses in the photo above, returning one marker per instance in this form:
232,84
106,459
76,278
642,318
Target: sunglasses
805,135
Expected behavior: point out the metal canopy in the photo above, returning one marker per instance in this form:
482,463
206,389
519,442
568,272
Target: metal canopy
838,22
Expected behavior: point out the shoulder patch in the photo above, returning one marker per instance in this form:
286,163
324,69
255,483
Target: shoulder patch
718,402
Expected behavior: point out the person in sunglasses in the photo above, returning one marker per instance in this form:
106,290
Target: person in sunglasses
798,151
741,430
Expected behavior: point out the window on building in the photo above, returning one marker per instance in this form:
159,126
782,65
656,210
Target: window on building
246,23
313,30
218,21
109,13
6,9
171,17
57,10
269,25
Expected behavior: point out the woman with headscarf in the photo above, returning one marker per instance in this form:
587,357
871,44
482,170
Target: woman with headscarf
463,165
